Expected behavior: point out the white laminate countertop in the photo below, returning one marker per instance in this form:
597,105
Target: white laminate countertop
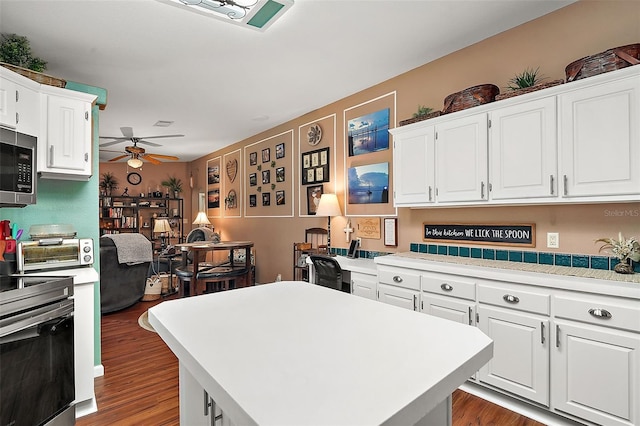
293,353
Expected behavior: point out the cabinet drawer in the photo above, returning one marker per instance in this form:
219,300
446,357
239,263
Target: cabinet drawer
449,286
514,298
600,310
399,277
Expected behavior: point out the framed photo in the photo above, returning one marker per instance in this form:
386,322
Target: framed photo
280,174
280,200
390,231
213,198
253,179
266,199
369,133
266,155
253,158
280,150
313,198
266,176
253,201
213,174
315,167
368,184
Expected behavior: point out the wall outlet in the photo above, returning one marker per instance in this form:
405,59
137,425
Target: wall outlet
553,240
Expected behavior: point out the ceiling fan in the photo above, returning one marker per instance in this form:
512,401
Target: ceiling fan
135,153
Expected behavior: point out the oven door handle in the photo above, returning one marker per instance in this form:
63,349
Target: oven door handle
10,325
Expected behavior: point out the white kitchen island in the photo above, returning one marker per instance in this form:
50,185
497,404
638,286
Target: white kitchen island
292,353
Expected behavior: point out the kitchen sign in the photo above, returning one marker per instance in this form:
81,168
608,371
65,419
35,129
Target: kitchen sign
511,234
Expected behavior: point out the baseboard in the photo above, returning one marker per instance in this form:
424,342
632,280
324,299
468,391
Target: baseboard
98,370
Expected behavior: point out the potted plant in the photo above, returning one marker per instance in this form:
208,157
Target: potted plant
423,113
624,249
173,184
15,50
527,78
108,183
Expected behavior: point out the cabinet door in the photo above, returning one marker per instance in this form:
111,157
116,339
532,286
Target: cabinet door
520,362
398,296
595,373
68,134
448,308
414,166
600,139
364,285
28,111
8,101
523,150
461,159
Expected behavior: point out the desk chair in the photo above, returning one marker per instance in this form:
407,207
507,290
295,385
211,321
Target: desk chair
328,272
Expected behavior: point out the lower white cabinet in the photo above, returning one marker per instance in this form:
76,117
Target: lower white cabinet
197,408
399,287
398,296
364,285
448,308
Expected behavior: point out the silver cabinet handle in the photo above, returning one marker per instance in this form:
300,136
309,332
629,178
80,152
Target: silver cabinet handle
430,191
551,184
565,180
86,157
397,279
600,313
482,190
557,336
17,117
510,298
470,316
207,403
446,287
86,115
542,332
415,301
50,159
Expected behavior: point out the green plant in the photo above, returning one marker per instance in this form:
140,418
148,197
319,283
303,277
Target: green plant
527,78
15,50
422,111
173,183
108,182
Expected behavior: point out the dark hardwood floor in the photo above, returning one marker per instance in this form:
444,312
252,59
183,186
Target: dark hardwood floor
140,385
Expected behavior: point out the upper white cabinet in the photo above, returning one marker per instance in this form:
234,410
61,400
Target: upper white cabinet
65,144
19,103
576,142
524,152
599,136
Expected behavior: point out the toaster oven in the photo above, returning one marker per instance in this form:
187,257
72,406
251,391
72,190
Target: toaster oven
54,253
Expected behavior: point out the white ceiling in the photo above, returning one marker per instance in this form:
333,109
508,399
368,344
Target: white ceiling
221,83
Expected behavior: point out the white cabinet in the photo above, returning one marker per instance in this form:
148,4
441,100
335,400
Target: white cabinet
197,408
399,287
600,138
448,297
65,144
524,156
520,362
596,358
414,167
461,159
364,285
19,103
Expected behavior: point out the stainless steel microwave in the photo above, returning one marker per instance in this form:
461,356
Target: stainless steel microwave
17,168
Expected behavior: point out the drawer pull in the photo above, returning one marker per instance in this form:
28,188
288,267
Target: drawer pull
397,279
510,298
446,287
600,313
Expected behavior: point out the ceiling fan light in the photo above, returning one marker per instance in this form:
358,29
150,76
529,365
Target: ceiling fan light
136,163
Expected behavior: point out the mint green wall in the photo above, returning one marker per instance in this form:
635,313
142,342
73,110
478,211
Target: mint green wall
76,203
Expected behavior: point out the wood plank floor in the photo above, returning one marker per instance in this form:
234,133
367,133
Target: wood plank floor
140,385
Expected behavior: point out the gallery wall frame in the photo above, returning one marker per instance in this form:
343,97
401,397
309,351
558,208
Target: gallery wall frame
269,179
231,198
368,148
213,179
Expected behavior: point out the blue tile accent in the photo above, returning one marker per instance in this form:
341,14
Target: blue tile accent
489,254
600,262
563,259
530,257
502,255
476,253
433,249
423,248
515,256
580,261
545,258
413,247
453,250
464,252
442,250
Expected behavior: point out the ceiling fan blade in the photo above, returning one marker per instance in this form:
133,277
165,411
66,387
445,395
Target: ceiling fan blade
120,157
164,157
151,160
148,143
111,150
114,142
127,132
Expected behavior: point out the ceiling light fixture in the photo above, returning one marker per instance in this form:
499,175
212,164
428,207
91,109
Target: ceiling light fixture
256,14
135,162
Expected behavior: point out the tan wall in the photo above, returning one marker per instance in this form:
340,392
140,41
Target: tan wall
550,43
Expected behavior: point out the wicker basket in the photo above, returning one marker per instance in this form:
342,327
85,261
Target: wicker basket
35,76
517,92
152,289
609,60
470,97
432,114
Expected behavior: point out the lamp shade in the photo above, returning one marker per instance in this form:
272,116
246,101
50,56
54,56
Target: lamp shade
134,162
328,206
161,225
201,219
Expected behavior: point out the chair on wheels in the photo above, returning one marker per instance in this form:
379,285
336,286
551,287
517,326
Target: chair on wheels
328,272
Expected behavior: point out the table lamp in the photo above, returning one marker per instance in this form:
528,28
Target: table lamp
328,206
162,226
202,220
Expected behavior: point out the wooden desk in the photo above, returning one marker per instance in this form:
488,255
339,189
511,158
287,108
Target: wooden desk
199,250
294,353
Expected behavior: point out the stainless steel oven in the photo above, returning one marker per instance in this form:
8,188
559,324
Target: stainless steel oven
37,384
